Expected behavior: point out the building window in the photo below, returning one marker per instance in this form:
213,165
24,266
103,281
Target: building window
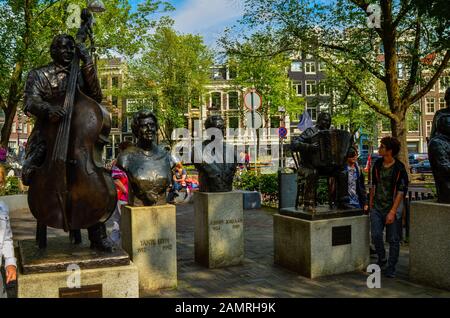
13,127
115,82
115,101
219,73
275,122
298,89
312,112
430,108
25,128
311,88
429,123
296,66
233,100
324,89
233,122
114,121
444,83
441,103
216,100
310,67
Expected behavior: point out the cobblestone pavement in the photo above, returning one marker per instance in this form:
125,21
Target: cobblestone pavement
257,276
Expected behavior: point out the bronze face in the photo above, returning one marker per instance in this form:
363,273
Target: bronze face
147,129
64,51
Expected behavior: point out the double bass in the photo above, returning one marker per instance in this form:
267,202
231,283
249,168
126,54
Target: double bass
72,190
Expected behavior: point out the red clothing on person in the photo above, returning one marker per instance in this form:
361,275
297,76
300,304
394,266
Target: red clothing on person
120,175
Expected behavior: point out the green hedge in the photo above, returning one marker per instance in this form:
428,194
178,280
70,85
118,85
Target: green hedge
267,184
12,186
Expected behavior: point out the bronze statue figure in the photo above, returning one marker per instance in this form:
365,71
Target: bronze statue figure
148,166
322,153
439,155
217,176
68,186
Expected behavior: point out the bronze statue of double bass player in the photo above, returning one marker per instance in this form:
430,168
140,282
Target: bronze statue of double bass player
68,186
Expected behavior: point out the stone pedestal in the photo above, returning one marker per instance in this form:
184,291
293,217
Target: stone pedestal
149,236
315,248
429,244
63,270
251,199
219,229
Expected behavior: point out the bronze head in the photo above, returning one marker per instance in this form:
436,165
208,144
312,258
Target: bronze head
215,121
443,125
62,49
145,128
324,121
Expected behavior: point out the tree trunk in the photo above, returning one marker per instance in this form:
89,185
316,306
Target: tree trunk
400,132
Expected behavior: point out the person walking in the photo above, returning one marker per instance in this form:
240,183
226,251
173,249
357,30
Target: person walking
390,184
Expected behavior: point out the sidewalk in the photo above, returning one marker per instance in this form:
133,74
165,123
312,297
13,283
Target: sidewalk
258,276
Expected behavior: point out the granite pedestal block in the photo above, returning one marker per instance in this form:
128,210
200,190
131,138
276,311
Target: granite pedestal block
219,229
251,199
149,236
429,244
315,248
64,270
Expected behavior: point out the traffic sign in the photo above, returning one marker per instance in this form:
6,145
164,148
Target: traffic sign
282,132
252,100
257,120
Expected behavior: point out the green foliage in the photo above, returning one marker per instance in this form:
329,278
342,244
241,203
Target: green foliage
267,74
267,184
170,76
27,29
12,186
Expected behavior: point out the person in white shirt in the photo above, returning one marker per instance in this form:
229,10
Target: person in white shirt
6,243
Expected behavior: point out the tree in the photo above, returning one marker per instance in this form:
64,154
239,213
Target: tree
28,26
170,76
396,52
269,76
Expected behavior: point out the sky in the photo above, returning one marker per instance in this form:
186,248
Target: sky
205,17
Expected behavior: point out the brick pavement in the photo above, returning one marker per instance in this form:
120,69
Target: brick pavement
257,276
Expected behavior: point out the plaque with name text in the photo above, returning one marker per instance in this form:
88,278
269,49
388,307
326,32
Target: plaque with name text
89,291
341,235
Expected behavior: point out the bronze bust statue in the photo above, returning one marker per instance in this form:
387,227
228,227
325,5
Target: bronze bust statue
217,176
439,155
148,166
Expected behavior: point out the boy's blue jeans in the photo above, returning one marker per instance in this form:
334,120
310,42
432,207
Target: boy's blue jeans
377,224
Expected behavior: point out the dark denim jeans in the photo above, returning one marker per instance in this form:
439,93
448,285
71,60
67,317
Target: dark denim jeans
377,224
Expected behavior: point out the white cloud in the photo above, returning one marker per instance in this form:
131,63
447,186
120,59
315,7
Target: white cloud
206,16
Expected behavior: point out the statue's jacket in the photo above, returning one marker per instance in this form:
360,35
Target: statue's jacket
46,88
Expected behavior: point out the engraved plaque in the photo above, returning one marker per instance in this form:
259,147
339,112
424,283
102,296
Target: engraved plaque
89,291
341,235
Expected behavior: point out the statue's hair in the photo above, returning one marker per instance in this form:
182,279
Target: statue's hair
447,94
56,41
323,114
440,122
143,113
210,121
